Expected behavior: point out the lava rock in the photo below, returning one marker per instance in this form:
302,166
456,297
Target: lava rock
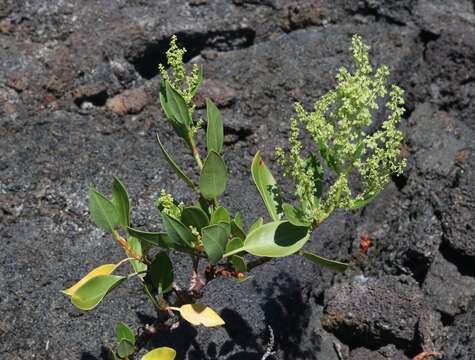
384,353
220,93
461,342
448,291
374,311
129,102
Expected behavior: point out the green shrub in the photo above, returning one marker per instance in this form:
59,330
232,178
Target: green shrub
205,231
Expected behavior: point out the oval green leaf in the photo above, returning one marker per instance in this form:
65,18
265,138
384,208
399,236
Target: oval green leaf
295,216
275,239
214,241
220,215
91,293
124,332
161,272
319,260
136,246
215,130
152,238
177,105
125,349
105,269
120,199
233,244
239,264
175,166
102,210
214,176
267,186
162,353
194,216
180,234
256,224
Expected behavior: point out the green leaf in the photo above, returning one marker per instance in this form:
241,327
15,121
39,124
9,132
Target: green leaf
125,349
174,166
163,101
161,272
327,155
257,223
274,239
105,269
237,231
238,263
162,353
215,130
214,241
267,186
91,293
120,199
153,238
214,176
124,332
103,211
318,174
177,106
180,234
331,264
233,244
111,355
237,220
136,246
194,216
220,215
295,216
358,204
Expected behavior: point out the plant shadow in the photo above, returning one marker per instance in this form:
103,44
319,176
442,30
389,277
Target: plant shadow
286,310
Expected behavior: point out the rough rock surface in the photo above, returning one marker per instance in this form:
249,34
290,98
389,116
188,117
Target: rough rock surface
79,104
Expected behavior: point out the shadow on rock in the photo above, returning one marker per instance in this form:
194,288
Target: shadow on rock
288,311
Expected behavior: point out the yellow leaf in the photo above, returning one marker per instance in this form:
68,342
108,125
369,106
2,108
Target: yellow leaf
162,353
106,269
200,314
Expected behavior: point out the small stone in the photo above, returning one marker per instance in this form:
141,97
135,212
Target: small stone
9,108
17,83
5,25
221,94
129,102
88,92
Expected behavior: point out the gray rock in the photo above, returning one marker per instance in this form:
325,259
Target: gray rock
374,312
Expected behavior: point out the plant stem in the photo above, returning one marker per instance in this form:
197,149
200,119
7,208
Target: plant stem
194,150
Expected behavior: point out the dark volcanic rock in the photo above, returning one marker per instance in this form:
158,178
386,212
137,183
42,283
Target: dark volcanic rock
62,63
375,312
448,291
461,343
385,353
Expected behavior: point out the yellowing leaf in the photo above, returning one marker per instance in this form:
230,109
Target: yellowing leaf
162,353
200,314
106,269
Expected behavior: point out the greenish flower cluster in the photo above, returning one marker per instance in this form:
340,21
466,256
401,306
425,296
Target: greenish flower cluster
167,205
340,127
185,84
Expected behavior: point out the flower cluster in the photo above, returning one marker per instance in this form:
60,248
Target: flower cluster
341,128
